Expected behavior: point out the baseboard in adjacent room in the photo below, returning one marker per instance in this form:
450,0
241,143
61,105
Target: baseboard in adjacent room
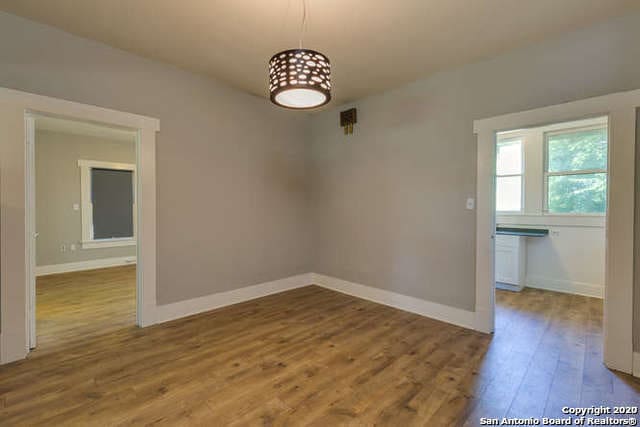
165,313
509,287
69,267
445,313
566,286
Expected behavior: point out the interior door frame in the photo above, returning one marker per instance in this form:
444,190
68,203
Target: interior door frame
618,304
17,210
31,231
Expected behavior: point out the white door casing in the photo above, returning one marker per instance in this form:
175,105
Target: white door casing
17,230
618,304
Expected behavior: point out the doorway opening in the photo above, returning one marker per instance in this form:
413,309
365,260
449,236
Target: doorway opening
551,192
620,110
82,193
551,206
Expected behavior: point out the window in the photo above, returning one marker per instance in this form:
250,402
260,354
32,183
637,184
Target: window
108,204
509,175
576,171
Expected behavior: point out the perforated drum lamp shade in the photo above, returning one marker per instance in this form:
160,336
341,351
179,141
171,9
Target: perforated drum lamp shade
300,79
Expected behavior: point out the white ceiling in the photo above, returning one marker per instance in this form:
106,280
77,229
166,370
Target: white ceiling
373,44
75,127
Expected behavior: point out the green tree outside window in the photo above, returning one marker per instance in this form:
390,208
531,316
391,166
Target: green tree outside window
576,172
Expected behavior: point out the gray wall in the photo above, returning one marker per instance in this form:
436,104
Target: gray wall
389,201
231,169
58,188
238,188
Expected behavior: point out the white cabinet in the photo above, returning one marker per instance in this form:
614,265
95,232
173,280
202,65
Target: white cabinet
510,262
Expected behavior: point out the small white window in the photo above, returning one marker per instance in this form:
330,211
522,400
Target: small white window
509,175
108,204
576,171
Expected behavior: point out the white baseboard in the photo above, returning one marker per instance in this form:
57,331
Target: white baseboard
456,316
445,313
509,287
636,364
579,288
165,313
44,270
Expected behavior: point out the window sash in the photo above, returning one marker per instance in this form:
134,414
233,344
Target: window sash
546,209
521,201
520,141
563,132
574,172
511,140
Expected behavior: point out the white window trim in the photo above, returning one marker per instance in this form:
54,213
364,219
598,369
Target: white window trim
88,242
512,138
546,174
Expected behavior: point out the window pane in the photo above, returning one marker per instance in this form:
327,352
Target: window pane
585,193
112,199
509,158
508,193
578,150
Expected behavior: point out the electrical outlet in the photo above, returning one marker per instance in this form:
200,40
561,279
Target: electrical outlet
72,247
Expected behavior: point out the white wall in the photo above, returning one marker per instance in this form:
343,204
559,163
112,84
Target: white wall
572,258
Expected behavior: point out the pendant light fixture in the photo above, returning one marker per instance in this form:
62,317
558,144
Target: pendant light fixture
300,78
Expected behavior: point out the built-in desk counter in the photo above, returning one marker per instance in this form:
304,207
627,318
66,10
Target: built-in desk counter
521,231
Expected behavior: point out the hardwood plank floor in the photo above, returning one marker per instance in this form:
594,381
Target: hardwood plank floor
80,305
312,356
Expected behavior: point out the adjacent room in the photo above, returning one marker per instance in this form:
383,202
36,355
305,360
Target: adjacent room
319,213
550,244
85,222
551,204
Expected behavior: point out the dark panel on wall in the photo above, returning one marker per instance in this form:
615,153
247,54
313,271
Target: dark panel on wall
112,199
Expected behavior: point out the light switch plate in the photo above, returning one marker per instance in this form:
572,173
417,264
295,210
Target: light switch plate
471,203
76,207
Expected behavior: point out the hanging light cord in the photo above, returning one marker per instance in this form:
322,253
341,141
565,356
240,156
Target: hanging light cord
303,25
286,16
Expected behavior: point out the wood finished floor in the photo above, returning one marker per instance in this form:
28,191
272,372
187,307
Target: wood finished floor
76,306
305,357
